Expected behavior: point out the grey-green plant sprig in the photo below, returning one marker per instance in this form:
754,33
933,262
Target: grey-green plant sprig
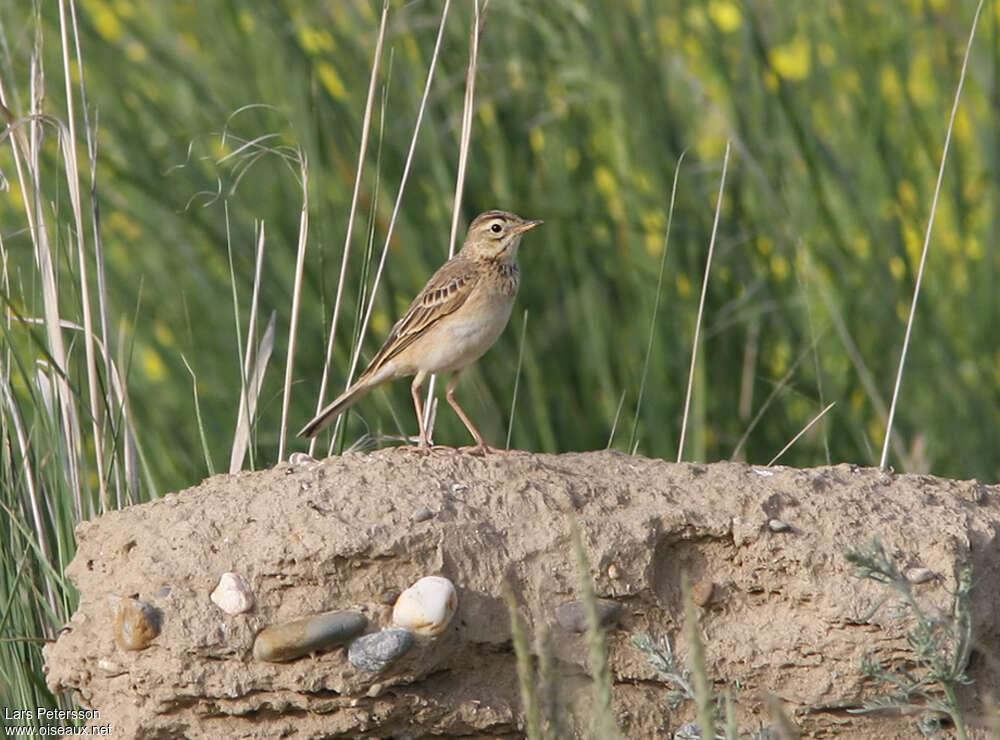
941,645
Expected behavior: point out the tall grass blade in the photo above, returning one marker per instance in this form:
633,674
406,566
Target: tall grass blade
802,431
927,239
525,668
602,712
399,195
362,153
517,378
632,441
701,304
300,266
241,441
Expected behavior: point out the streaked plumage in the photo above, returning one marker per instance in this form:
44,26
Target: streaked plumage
458,315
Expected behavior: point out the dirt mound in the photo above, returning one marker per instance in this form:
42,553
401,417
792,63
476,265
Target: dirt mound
782,614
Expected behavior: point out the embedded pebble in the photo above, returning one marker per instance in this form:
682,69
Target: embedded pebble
919,575
690,731
701,593
572,615
300,460
136,622
427,606
233,594
776,525
422,515
613,572
377,651
290,640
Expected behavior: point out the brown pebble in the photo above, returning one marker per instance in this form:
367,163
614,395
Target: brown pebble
701,593
136,623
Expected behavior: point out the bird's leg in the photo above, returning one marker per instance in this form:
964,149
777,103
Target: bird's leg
415,387
449,393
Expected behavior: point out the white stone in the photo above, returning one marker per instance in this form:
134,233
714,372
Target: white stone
426,607
233,594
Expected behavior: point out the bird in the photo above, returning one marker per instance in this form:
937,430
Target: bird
451,323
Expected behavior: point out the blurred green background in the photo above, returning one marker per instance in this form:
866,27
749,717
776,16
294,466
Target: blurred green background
837,115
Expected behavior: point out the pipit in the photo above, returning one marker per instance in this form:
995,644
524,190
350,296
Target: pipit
458,315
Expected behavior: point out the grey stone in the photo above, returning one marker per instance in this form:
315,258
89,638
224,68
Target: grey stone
572,615
377,651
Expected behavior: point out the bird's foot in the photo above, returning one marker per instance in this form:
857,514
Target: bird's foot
480,450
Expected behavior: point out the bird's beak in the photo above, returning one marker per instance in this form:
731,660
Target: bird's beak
527,226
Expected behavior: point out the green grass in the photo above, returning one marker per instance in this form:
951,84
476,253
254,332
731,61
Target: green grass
836,113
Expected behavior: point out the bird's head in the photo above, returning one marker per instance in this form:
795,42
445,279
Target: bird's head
496,235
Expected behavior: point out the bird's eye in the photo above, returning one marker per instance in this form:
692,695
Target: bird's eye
496,228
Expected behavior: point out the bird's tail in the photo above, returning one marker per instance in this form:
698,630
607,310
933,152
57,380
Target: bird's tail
338,406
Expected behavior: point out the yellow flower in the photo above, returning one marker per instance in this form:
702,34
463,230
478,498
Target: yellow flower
152,363
163,334
246,21
487,114
605,181
778,359
920,80
862,248
105,20
780,267
667,30
136,52
315,40
897,267
654,244
973,248
963,126
725,15
537,139
331,80
907,193
891,88
120,223
792,60
683,285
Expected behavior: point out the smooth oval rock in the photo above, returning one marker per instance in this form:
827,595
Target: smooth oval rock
290,640
233,594
572,615
919,575
379,650
136,623
701,593
427,606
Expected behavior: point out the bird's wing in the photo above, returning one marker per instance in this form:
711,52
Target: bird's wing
444,294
